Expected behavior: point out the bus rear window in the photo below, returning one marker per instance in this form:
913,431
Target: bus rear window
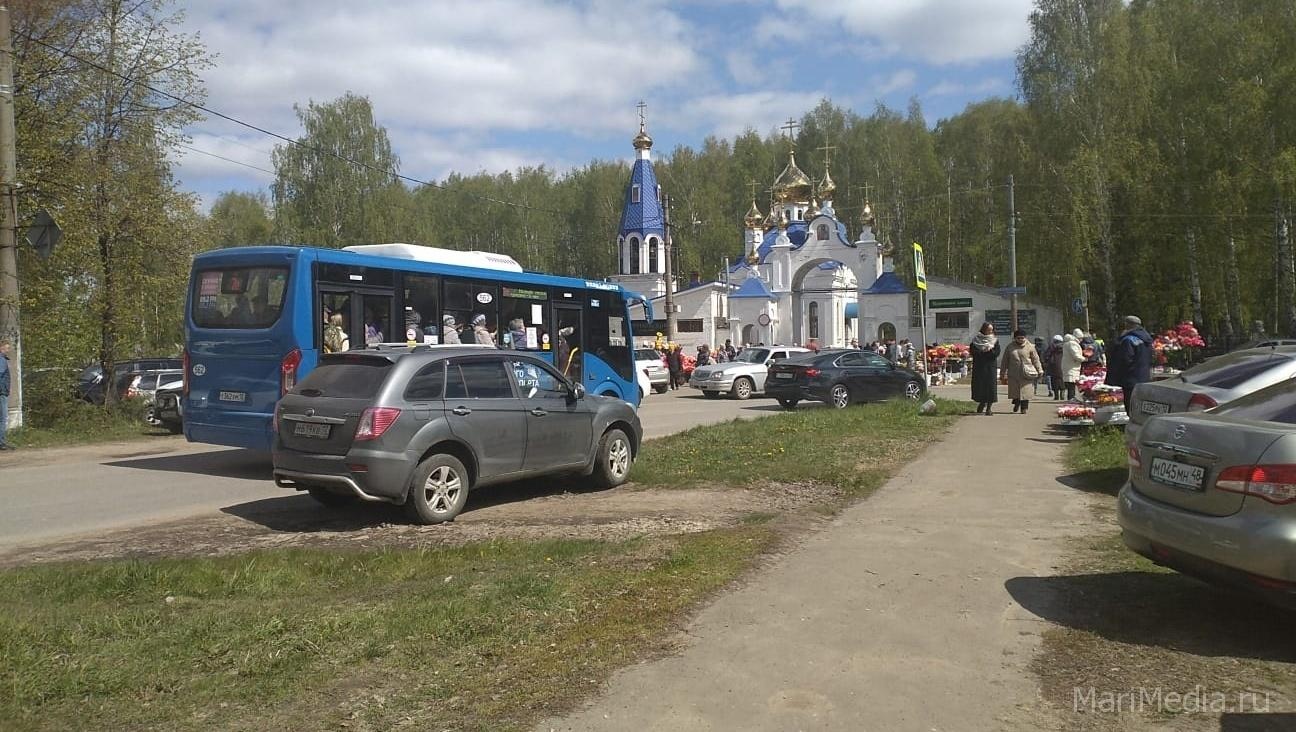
239,297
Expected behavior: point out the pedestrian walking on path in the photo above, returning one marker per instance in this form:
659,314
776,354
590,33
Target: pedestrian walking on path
1021,367
985,357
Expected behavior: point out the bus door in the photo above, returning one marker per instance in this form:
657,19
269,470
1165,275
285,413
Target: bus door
365,315
569,349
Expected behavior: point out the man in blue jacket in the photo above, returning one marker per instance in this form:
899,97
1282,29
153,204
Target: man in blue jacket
1129,362
4,393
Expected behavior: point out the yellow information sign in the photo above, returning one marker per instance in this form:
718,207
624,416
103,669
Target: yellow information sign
920,273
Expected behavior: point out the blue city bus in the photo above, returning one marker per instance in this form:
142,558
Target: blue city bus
256,320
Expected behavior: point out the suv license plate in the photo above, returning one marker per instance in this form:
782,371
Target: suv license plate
306,429
1179,475
1154,408
233,396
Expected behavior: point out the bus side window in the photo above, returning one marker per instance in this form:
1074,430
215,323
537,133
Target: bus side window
421,308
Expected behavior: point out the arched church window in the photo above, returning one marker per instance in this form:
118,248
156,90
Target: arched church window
814,319
634,194
634,253
652,255
886,332
821,232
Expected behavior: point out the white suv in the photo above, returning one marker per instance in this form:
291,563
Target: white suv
743,376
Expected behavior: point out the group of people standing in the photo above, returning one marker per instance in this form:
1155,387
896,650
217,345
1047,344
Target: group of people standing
1020,364
903,353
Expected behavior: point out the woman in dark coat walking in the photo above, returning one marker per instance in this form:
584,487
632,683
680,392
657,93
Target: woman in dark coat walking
985,369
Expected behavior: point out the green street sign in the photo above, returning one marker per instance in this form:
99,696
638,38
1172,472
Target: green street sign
949,302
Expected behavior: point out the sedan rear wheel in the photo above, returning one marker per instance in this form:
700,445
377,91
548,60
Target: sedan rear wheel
439,491
913,390
743,388
840,396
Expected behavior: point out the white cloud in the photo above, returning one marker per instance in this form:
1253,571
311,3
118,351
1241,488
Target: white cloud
934,31
897,81
731,114
497,64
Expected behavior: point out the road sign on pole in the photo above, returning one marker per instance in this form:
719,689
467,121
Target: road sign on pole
920,272
1077,306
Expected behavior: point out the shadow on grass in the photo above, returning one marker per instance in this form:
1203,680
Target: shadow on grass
1107,481
1164,610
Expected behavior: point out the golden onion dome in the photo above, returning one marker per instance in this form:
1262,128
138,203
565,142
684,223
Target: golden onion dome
753,258
826,187
866,215
792,185
754,216
642,141
813,210
773,219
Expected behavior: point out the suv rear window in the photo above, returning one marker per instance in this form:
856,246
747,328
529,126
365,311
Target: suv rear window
356,378
1233,369
1274,404
239,297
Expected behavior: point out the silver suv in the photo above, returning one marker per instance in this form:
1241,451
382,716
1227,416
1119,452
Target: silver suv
422,427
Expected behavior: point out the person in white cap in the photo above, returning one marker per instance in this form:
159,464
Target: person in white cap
449,330
480,334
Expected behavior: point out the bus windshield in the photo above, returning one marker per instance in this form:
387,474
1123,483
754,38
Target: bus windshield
239,297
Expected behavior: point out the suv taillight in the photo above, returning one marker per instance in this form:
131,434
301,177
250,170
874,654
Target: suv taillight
1201,402
184,364
132,391
375,421
1273,483
288,371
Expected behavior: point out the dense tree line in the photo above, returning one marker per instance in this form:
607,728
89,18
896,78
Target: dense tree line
1151,148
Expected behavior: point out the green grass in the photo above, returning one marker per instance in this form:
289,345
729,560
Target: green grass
852,449
487,636
82,424
1097,460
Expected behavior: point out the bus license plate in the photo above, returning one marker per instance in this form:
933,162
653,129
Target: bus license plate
306,429
233,396
1177,474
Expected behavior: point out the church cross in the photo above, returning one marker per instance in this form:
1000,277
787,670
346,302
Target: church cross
751,183
642,106
792,126
827,151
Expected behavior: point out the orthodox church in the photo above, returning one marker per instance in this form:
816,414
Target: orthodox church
800,276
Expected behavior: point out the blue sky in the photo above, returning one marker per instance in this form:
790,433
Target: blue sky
491,85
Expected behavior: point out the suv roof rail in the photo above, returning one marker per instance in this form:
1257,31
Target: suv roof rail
417,347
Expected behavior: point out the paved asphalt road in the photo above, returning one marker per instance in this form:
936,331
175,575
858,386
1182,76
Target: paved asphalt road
62,493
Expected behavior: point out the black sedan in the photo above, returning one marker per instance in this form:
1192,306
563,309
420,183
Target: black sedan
841,378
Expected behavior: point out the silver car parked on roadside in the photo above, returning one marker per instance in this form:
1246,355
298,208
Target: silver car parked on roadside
743,376
1213,495
1217,381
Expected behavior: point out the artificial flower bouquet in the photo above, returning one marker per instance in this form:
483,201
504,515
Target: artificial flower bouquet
1176,347
1073,412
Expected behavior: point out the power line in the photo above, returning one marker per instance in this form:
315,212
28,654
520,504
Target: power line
222,157
277,136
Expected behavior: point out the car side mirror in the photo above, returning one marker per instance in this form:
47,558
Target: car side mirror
769,362
891,365
576,392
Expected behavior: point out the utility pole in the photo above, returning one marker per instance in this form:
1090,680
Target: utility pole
9,323
1012,248
670,272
